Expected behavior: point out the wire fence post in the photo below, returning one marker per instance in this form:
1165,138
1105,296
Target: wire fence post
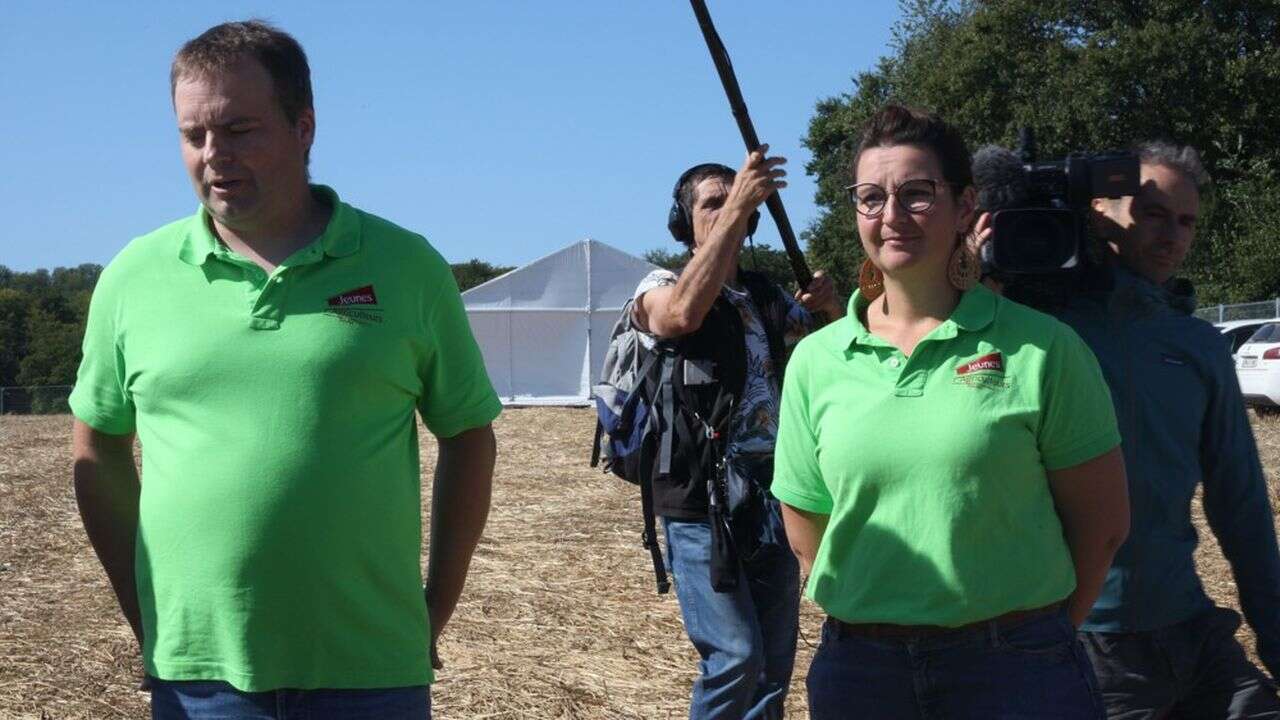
1258,310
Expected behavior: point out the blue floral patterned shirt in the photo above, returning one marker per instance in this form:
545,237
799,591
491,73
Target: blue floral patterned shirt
755,423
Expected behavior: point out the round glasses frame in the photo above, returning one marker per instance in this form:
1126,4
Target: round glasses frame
915,208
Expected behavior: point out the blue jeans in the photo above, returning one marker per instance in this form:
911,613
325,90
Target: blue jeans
1035,669
746,638
216,700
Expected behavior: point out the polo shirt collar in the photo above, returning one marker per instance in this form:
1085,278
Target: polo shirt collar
199,242
852,331
341,236
975,312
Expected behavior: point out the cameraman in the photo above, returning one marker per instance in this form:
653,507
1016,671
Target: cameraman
1159,645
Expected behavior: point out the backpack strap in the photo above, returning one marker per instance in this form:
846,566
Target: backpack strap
650,535
649,468
650,359
595,446
669,363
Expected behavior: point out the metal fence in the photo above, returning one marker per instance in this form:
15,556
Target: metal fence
1264,310
43,400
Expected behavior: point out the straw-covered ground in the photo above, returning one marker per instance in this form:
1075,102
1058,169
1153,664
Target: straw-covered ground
559,619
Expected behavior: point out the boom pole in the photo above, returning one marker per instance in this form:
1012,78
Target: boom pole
739,107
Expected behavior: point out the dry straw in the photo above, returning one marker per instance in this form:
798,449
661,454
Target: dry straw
559,619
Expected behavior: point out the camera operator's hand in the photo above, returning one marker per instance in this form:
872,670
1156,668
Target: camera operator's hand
983,230
759,178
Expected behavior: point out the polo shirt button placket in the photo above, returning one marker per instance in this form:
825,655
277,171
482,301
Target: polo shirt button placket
254,276
265,313
908,384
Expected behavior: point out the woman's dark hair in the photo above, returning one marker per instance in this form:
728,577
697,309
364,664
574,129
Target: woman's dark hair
899,125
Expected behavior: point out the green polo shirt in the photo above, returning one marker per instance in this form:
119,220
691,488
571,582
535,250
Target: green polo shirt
279,533
933,467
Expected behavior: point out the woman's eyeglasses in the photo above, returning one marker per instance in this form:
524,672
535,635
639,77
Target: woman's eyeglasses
914,196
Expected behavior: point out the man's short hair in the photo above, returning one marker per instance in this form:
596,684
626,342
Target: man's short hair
222,46
685,194
1182,158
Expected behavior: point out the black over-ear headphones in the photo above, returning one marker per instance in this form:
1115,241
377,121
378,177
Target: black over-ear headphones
679,221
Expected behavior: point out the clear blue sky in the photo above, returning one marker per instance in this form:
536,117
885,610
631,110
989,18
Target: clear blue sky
500,130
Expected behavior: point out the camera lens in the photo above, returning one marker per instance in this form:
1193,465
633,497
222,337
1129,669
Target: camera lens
1035,240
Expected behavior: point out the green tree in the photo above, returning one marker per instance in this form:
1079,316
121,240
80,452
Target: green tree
762,258
772,262
1086,75
81,278
42,316
670,259
475,271
14,306
53,348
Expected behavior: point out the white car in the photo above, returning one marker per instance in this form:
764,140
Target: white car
1238,332
1258,367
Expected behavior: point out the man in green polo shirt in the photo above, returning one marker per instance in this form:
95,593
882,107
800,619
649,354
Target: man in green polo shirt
269,353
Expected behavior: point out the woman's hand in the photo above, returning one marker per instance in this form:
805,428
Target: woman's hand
1092,500
804,533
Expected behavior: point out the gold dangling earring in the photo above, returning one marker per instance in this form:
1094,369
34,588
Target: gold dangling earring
963,271
870,280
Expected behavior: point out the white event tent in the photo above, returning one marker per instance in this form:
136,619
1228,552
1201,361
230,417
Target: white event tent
543,328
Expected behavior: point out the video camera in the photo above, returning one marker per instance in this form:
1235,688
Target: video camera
1040,209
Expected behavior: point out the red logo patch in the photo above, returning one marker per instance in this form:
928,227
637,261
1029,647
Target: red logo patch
993,363
359,296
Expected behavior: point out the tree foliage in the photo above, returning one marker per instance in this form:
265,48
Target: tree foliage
14,307
475,272
761,257
42,317
670,259
1086,75
43,312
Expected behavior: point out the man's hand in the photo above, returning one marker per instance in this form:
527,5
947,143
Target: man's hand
107,492
821,297
983,231
459,508
760,177
679,309
436,664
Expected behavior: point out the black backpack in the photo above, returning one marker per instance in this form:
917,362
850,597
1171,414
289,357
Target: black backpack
667,411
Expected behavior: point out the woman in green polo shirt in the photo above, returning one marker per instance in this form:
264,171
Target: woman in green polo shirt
949,465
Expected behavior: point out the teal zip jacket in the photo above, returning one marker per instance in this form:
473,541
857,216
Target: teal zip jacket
1183,422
